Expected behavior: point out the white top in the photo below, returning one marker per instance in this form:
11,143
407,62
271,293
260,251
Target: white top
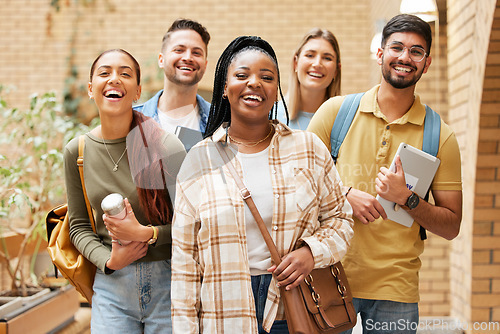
191,120
257,179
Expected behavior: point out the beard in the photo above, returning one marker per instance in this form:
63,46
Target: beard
181,80
397,81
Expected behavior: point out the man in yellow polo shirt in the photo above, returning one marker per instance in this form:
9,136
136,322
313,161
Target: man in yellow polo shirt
382,263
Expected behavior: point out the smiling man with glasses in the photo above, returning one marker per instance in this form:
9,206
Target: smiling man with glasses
382,263
403,60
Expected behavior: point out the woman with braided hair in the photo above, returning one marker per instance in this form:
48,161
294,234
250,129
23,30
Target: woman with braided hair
223,279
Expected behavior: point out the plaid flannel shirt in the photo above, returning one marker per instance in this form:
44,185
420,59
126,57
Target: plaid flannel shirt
211,289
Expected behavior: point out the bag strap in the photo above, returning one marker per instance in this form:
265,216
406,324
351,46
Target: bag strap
79,162
343,122
348,109
430,144
150,160
432,131
247,197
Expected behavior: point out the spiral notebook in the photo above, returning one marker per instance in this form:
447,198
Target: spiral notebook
419,168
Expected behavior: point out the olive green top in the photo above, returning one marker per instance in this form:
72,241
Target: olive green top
100,181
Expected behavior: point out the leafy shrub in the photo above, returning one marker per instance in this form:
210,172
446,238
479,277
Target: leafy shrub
31,170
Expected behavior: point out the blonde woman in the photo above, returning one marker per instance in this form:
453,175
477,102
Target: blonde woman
314,78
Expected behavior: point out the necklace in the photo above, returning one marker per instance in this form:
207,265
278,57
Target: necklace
252,143
115,168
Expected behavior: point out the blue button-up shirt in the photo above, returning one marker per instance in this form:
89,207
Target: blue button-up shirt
150,108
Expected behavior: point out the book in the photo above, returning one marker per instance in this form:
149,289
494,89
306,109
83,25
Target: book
419,169
189,137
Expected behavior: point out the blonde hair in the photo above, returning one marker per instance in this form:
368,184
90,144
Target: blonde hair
293,94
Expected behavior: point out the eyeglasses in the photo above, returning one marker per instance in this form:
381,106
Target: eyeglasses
416,53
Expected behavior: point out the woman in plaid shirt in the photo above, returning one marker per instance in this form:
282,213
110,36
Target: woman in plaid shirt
223,280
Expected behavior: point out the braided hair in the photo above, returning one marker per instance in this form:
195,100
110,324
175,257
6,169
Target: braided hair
220,109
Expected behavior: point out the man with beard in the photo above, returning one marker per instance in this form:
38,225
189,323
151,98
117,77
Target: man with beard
383,262
183,58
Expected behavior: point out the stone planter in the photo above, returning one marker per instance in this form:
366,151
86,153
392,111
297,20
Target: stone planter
9,304
44,313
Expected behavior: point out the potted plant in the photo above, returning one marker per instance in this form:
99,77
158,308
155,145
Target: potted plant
31,183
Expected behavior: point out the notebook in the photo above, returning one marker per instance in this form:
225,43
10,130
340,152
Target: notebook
419,168
188,137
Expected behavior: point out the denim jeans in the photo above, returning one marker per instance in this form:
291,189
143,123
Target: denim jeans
135,299
385,316
260,285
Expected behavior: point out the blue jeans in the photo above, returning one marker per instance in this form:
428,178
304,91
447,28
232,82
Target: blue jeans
385,316
135,299
260,285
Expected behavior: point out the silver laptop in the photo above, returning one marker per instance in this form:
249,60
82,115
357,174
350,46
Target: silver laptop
419,168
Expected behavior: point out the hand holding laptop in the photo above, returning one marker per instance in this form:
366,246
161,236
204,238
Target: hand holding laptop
391,185
418,169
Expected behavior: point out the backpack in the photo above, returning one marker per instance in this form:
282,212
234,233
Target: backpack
345,116
76,268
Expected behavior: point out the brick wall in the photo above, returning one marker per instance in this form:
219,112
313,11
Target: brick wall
433,87
469,25
435,278
43,45
381,12
485,301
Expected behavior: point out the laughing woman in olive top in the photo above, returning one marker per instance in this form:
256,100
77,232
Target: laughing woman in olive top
130,155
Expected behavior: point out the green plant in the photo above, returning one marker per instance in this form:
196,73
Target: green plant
31,173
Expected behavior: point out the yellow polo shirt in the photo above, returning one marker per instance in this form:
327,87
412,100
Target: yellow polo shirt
383,260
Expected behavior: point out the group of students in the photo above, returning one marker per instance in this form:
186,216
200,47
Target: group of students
204,267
